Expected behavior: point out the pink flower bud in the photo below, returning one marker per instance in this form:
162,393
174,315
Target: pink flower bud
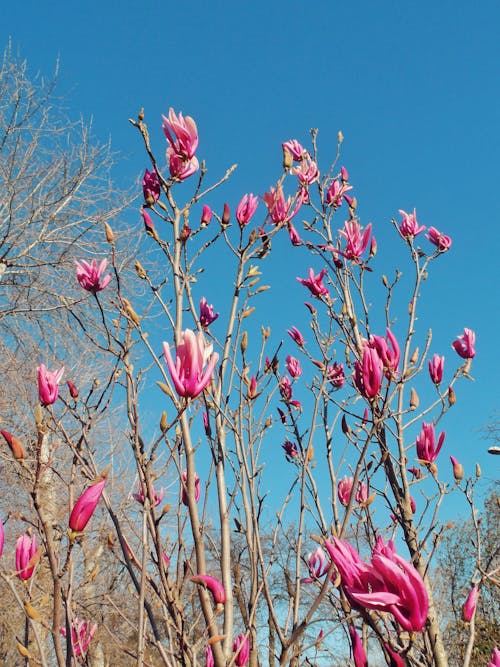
148,224
151,187
436,368
427,448
470,604
184,492
295,334
206,215
73,389
241,647
81,635
25,552
294,235
86,505
48,381
209,657
358,651
441,241
246,209
157,496
226,214
214,586
495,658
458,469
207,313
293,366
2,537
16,446
291,450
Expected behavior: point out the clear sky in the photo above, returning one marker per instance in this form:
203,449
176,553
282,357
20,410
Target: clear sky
413,85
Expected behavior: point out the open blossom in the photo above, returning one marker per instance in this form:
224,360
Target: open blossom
344,491
194,364
246,209
207,313
317,565
427,450
296,150
85,506
358,652
184,491
151,187
464,345
336,375
81,635
291,450
293,366
295,334
388,351
214,586
181,133
387,584
90,275
25,550
315,283
441,241
409,227
157,496
241,646
356,242
436,368
179,167
368,373
307,171
278,208
470,604
495,658
48,384
336,191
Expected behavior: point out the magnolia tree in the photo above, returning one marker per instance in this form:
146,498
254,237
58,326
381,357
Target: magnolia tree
211,557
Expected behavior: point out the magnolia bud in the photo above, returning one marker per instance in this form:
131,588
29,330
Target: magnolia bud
244,342
340,137
163,422
414,400
226,215
451,396
110,237
287,158
139,269
458,469
478,471
414,356
345,425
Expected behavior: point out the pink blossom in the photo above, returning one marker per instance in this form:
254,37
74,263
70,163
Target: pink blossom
214,586
209,657
86,505
151,187
307,171
81,635
207,313
293,366
441,241
181,133
368,373
148,223
180,168
184,491
388,351
416,472
295,334
470,604
358,651
427,450
241,647
336,375
278,209
395,659
25,551
315,283
90,275
317,565
157,496
344,491
409,227
336,192
246,209
495,658
285,388
294,235
48,384
436,368
464,345
189,374
295,149
356,242
206,215
291,450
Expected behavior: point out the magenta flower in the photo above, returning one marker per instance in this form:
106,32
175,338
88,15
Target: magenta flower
25,552
307,171
293,366
441,241
336,375
427,451
464,345
181,133
214,586
470,604
206,215
48,384
241,647
90,275
73,389
148,224
207,313
151,187
295,334
436,368
291,451
189,374
81,635
294,235
409,227
184,491
395,659
226,214
295,149
85,506
388,351
180,168
317,565
344,491
278,209
495,658
358,652
356,242
286,388
368,373
209,657
315,283
337,190
246,209
157,496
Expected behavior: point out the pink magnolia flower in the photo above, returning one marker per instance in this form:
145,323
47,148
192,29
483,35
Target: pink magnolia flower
470,604
296,150
409,227
207,313
90,275
458,469
344,491
368,373
73,389
246,209
48,384
356,242
206,215
315,283
25,551
151,187
441,241
209,657
394,657
85,506
81,635
214,586
464,345
358,652
291,450
157,496
226,214
293,366
427,450
387,584
181,133
194,364
495,658
286,388
294,235
179,167
241,647
317,565
148,224
336,375
307,171
336,191
184,491
388,351
295,334
279,209
436,368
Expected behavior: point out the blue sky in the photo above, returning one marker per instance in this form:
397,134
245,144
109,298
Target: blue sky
414,87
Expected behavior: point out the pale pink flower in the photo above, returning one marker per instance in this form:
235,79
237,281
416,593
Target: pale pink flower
441,241
184,490
436,368
194,365
157,496
336,192
295,334
358,651
207,313
25,551
81,635
464,345
151,187
368,373
470,604
293,366
246,209
317,565
85,506
356,242
427,450
181,133
48,384
344,491
90,276
294,235
241,647
214,586
279,209
307,171
336,375
315,283
295,149
409,227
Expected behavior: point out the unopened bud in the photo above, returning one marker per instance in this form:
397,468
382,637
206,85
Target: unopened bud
458,469
110,237
414,399
369,500
31,611
226,214
163,422
22,650
244,342
452,398
345,426
206,216
139,269
414,356
340,137
247,312
384,281
310,453
38,414
165,388
266,332
478,471
373,247
287,158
